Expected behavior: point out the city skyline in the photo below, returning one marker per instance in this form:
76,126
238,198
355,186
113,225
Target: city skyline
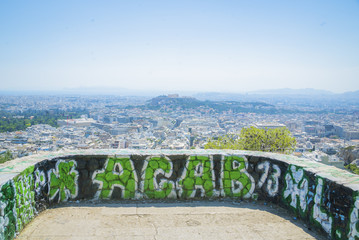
231,46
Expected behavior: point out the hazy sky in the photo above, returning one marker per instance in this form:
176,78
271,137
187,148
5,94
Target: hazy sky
193,45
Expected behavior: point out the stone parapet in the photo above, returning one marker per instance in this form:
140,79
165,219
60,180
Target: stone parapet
325,197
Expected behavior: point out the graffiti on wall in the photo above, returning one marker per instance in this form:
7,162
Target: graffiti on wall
40,181
8,217
17,197
118,172
161,177
237,182
63,181
25,197
354,219
151,186
319,215
298,196
296,189
197,178
270,175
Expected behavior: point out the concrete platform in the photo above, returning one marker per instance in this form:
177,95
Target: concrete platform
169,220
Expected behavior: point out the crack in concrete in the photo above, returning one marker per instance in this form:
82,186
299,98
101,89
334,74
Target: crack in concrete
156,234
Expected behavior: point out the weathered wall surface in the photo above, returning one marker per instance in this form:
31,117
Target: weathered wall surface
325,197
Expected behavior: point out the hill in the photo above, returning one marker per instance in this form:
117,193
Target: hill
186,103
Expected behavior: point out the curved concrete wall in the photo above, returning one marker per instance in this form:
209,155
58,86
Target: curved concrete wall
325,197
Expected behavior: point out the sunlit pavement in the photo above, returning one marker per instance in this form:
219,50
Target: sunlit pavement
174,220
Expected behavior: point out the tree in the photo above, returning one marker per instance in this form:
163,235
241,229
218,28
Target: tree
353,168
255,139
5,157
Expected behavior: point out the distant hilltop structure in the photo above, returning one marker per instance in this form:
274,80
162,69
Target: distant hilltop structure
269,125
175,95
80,122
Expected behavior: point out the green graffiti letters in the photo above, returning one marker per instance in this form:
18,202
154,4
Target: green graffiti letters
296,189
152,168
237,182
197,175
63,181
25,198
325,204
7,211
118,172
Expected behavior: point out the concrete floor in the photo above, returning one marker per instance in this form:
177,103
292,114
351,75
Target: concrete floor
176,220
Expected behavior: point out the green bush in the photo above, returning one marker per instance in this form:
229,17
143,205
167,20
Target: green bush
5,157
353,168
255,139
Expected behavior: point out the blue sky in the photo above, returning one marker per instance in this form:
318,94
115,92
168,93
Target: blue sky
228,46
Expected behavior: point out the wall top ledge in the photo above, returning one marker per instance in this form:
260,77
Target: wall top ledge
12,168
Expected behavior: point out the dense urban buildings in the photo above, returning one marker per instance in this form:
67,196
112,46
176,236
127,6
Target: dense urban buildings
171,122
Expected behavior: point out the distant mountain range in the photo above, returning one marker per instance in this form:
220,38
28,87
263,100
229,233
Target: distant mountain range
354,94
279,94
263,101
290,91
274,96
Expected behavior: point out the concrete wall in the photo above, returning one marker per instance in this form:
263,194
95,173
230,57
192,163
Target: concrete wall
325,197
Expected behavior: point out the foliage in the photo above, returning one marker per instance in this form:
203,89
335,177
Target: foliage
165,103
349,148
349,154
5,157
353,168
9,121
266,140
228,141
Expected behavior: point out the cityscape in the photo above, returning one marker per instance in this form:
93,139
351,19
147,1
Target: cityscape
179,119
325,134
